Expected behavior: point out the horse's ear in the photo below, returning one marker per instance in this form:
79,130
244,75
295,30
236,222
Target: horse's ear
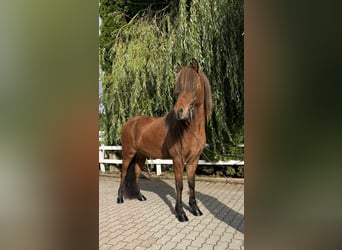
194,64
179,67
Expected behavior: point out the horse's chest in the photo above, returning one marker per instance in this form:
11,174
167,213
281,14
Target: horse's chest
194,145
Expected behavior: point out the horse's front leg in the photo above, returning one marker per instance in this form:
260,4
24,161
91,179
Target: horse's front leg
178,169
191,171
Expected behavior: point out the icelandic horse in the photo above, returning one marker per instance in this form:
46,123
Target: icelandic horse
179,135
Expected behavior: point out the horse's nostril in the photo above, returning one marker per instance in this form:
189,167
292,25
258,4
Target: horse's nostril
180,113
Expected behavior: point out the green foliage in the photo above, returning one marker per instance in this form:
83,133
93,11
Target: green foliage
234,171
112,14
144,57
221,171
240,172
230,171
205,170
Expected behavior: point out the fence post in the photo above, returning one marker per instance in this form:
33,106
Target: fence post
101,157
158,169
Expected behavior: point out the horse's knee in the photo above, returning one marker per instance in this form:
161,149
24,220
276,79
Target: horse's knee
191,184
179,184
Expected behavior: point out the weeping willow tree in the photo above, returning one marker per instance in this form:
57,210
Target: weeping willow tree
145,54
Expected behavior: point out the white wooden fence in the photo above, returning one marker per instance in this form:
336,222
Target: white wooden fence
158,162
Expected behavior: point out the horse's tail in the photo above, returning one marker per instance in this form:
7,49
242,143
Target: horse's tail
131,189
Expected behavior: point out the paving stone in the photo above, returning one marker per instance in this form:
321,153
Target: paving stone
105,246
148,242
140,248
178,237
235,244
156,228
104,240
212,240
134,244
116,240
207,247
129,231
191,248
184,244
174,231
198,242
227,237
192,235
169,245
219,231
221,246
120,245
155,247
238,236
145,235
160,233
132,237
211,226
199,228
164,239
206,233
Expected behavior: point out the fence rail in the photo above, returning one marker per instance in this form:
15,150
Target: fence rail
158,162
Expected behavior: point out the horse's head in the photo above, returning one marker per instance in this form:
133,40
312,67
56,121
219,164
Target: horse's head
188,88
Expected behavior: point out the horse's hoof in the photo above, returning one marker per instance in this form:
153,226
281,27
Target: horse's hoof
182,218
120,200
142,198
197,212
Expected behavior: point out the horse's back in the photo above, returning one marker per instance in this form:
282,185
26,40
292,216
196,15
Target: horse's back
146,135
133,127
137,121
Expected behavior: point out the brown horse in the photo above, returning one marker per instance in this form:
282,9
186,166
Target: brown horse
180,136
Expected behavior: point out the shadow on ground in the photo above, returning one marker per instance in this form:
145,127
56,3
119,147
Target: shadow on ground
216,208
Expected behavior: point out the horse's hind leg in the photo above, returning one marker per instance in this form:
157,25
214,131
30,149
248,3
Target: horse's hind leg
138,167
127,160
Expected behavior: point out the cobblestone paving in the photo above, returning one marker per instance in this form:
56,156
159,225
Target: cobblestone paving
152,224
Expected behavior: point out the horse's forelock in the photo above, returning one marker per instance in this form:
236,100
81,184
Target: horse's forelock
185,80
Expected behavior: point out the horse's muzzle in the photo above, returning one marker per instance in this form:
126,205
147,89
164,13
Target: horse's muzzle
182,114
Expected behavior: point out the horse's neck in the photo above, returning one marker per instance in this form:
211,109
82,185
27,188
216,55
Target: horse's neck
198,118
